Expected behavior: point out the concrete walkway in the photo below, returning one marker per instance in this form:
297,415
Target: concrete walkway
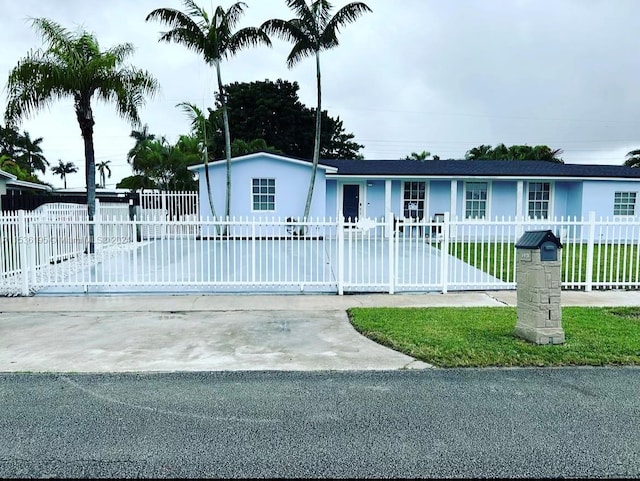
219,332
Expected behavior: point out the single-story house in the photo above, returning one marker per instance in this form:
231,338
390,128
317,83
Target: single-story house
9,183
269,185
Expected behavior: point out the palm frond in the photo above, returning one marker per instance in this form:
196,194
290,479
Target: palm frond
194,113
194,10
52,33
33,84
121,52
286,30
298,52
233,14
347,14
305,14
246,37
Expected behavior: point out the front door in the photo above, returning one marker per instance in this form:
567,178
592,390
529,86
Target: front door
351,201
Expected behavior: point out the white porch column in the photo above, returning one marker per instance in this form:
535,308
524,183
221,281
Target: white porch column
453,209
519,196
387,205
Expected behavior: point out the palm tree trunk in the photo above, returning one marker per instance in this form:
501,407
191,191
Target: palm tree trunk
85,119
227,144
206,172
316,146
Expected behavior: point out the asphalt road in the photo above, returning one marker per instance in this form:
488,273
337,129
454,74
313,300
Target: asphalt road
568,422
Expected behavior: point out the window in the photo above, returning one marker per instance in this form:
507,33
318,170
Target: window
264,194
413,200
475,195
624,203
539,195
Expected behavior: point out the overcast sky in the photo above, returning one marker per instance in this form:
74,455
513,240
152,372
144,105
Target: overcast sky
413,75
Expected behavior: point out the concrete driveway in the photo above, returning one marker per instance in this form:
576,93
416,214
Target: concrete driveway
217,333
185,333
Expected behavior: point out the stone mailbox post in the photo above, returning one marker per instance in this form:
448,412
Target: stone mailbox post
538,271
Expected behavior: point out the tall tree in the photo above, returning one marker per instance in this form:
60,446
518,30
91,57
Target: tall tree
139,136
9,138
30,155
103,167
515,152
63,169
163,166
202,129
482,152
213,38
312,31
272,111
633,158
422,156
72,65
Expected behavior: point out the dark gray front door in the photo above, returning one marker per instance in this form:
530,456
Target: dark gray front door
351,201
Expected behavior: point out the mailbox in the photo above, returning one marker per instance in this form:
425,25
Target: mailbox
545,240
538,281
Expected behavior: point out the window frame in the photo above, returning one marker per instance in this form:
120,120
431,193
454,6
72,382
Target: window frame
260,194
404,206
549,201
487,200
635,201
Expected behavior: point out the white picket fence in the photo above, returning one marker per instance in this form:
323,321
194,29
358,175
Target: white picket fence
42,252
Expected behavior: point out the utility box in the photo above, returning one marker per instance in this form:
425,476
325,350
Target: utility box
538,277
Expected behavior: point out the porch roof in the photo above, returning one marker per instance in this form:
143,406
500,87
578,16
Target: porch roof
478,168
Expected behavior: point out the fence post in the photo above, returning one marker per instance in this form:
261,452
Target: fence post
392,253
24,255
340,228
444,253
31,249
134,251
97,219
253,251
163,215
590,252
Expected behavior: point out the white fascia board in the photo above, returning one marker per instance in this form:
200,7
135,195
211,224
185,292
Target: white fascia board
7,175
28,185
327,168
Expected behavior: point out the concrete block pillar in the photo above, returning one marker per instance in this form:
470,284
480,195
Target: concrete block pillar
538,283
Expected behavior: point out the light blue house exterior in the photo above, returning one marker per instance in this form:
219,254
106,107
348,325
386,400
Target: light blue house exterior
268,185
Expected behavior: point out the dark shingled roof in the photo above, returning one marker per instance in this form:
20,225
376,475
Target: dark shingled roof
480,168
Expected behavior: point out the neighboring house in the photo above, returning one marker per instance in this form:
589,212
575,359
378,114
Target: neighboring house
267,185
9,183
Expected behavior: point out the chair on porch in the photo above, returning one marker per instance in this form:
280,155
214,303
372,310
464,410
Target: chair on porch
436,230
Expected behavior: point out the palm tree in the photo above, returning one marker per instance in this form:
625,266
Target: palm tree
422,156
203,129
214,39
312,31
633,158
101,168
481,152
30,153
140,136
72,65
63,169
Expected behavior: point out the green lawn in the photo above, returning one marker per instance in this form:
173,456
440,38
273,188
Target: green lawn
483,336
612,262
